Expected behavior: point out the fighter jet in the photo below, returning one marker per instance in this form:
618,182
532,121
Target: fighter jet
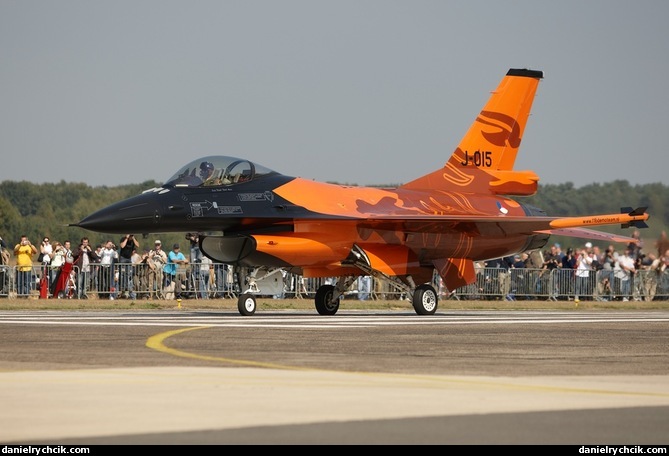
251,216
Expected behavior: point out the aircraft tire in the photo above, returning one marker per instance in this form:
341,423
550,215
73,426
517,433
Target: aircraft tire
425,300
324,303
246,304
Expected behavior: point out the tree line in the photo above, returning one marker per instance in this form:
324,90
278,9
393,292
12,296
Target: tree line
39,210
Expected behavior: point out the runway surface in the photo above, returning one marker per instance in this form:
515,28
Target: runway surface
288,377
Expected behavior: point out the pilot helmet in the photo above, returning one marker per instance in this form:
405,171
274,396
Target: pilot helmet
206,168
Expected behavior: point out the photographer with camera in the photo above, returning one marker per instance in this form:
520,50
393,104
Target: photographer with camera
45,250
195,252
24,251
108,257
127,244
85,256
605,283
548,274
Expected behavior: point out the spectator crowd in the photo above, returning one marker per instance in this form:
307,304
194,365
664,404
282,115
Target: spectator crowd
111,271
126,269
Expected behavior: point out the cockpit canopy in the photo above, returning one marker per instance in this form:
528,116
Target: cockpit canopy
217,170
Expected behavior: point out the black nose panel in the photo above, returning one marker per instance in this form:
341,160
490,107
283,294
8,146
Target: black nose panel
138,214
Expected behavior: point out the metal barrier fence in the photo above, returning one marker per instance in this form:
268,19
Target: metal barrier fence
140,281
121,280
566,284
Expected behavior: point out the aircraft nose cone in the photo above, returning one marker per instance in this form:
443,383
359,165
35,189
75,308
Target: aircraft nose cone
138,214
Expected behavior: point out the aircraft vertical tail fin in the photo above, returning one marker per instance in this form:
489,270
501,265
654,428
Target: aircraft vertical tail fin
484,159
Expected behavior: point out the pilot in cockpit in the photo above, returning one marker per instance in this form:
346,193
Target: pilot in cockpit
207,174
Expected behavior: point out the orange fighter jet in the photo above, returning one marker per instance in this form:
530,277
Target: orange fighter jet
248,215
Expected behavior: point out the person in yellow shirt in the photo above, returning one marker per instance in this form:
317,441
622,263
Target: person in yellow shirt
24,251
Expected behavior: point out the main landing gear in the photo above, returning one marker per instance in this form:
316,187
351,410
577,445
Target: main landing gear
423,297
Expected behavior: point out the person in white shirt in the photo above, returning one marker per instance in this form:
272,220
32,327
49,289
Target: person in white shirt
583,268
206,271
57,259
108,256
623,272
46,249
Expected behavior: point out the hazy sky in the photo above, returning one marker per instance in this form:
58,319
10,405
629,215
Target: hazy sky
360,92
